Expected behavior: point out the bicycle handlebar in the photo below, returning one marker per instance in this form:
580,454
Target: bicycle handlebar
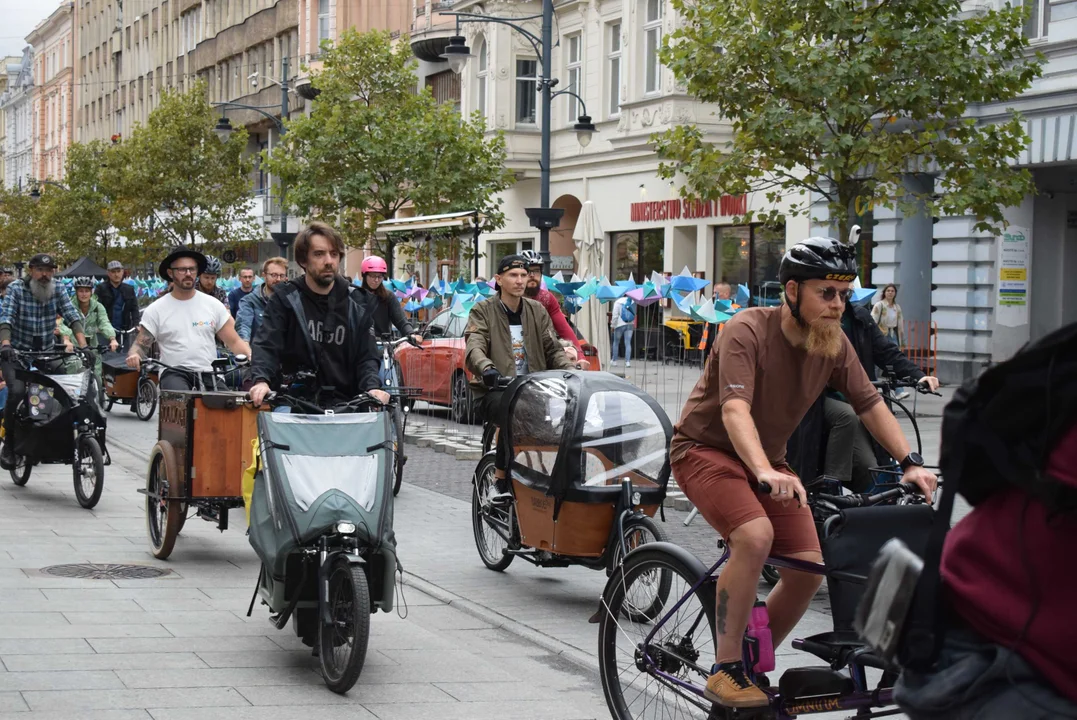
855,501
893,383
394,344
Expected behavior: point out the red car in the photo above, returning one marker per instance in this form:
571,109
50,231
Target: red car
437,370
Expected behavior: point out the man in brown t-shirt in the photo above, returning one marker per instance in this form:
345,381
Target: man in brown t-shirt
768,367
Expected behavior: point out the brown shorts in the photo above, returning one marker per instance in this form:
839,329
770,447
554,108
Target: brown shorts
723,490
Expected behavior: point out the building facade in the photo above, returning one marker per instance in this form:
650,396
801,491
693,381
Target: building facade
17,106
607,53
8,73
131,52
53,41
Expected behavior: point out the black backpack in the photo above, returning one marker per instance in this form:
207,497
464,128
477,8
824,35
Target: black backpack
1000,428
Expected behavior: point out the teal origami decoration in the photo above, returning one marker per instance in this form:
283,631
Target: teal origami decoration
588,289
743,295
607,293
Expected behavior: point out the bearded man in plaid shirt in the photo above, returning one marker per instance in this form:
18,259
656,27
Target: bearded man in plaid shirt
27,323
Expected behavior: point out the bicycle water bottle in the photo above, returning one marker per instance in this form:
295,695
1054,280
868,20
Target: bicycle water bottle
761,642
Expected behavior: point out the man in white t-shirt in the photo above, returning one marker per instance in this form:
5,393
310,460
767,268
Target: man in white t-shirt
185,325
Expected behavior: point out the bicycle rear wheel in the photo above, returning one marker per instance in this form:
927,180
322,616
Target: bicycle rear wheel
682,647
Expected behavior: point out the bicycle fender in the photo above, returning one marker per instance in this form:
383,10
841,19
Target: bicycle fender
690,561
350,557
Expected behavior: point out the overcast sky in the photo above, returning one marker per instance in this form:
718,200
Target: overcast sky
19,18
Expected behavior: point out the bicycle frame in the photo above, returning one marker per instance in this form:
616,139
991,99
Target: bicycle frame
860,698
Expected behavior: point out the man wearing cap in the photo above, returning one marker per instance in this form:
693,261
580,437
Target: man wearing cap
28,323
118,299
185,324
508,335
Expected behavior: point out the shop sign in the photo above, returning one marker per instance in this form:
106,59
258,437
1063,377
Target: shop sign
562,262
1011,309
687,209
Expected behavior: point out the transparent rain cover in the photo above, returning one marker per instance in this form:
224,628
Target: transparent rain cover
310,476
621,434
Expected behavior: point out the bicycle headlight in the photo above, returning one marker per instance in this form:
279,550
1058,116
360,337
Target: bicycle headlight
346,528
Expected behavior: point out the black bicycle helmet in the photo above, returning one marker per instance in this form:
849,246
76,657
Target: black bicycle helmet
532,257
818,258
86,282
213,266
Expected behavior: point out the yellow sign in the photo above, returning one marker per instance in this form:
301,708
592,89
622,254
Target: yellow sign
1013,274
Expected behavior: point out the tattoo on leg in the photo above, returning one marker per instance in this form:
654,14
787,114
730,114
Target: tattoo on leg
723,610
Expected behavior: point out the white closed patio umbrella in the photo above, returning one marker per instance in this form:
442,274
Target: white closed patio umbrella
590,262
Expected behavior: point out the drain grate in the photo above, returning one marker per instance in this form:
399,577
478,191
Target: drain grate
105,571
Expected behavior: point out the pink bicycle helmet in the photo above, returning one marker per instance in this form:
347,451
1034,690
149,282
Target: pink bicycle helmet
373,264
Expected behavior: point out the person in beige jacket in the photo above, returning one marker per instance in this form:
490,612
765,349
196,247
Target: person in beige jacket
508,335
887,315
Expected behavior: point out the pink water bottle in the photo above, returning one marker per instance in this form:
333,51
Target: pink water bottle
759,630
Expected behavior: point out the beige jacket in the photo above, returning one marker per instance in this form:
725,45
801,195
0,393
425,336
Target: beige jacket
489,341
878,313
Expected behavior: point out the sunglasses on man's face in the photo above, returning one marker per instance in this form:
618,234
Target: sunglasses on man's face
830,292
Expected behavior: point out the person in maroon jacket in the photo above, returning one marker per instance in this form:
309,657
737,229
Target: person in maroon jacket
535,291
1010,643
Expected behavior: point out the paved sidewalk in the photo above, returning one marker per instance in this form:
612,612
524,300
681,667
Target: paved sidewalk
181,647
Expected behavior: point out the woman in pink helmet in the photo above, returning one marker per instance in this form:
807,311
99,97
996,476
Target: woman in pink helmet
382,303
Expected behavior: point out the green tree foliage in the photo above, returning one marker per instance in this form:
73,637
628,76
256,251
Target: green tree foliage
841,98
175,183
373,145
77,216
21,233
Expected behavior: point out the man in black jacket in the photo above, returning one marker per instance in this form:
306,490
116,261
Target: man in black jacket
120,303
317,323
850,451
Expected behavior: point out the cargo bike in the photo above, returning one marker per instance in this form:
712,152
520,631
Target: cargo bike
321,521
59,421
203,447
588,470
127,386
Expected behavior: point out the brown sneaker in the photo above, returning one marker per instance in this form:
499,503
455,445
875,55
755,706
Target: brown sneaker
730,687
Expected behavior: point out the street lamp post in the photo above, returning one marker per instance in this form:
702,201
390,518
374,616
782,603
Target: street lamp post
457,54
35,192
223,129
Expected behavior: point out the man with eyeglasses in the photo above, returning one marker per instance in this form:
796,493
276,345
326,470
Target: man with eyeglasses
769,367
185,324
536,292
253,305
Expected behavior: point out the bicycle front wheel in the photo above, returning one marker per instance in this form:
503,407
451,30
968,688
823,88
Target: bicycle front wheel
636,672
398,442
342,643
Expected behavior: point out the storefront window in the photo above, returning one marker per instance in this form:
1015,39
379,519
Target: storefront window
750,255
502,248
637,254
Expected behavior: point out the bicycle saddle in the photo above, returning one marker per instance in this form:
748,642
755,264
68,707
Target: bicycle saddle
840,648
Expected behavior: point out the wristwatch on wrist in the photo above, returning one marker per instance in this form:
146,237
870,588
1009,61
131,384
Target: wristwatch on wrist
913,459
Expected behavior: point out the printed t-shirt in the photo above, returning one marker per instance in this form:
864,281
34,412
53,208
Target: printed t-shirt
327,324
186,330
